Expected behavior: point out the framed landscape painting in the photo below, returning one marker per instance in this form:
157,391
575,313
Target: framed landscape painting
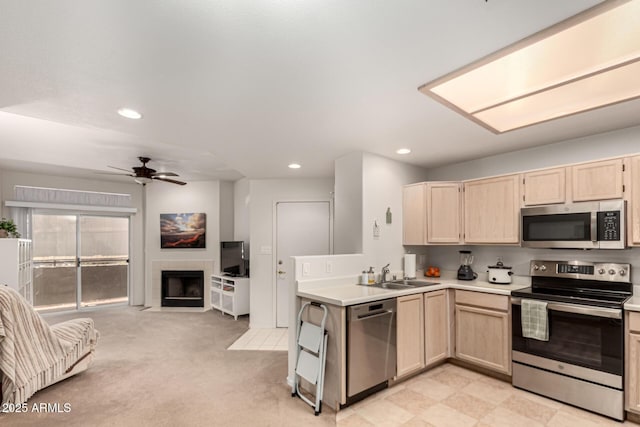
183,230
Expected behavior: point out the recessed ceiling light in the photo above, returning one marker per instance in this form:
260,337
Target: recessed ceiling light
294,166
403,151
589,61
129,113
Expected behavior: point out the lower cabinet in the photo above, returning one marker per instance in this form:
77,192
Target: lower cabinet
436,327
483,335
482,330
632,367
410,334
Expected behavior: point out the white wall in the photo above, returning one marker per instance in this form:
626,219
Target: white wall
610,144
263,195
198,196
347,225
241,204
226,210
383,179
9,179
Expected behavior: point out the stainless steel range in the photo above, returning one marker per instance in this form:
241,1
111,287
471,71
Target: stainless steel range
581,361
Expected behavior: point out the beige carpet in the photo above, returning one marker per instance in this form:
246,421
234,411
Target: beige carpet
172,369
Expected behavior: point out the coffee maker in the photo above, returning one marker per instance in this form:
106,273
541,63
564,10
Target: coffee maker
465,272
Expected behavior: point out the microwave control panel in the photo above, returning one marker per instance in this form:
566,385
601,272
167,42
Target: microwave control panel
609,226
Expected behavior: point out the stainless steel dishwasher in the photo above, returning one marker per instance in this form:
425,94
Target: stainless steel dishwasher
371,347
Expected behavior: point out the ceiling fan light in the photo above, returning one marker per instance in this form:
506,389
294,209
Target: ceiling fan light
129,113
143,180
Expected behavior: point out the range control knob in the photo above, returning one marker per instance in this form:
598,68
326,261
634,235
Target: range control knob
601,271
623,272
612,272
543,267
535,267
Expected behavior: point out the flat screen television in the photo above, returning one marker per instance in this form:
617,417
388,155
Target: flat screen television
232,259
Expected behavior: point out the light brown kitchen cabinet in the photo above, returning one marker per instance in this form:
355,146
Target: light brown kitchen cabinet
492,210
410,334
633,202
436,327
414,214
483,335
597,180
544,187
632,362
443,212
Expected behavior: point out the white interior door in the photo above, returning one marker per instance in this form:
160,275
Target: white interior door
302,228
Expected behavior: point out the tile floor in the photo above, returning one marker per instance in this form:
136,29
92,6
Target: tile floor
262,339
453,396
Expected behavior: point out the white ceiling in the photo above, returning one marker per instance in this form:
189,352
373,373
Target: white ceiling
235,88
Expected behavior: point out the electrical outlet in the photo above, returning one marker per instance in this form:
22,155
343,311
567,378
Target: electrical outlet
329,267
306,268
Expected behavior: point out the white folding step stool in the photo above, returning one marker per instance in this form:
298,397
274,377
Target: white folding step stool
311,349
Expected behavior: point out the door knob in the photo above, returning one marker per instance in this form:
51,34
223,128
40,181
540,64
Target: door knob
281,272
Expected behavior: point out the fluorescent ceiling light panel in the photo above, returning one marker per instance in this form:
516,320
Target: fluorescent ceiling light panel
588,61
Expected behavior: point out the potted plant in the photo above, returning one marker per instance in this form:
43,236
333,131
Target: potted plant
8,228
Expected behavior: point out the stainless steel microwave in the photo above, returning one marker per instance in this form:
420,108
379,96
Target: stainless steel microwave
584,225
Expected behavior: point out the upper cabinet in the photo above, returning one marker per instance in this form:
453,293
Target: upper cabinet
414,214
492,210
544,187
487,211
597,180
431,213
443,212
633,202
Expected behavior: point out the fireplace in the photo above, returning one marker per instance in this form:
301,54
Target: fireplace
182,288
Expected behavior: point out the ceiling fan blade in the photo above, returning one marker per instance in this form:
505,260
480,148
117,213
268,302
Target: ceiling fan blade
173,181
163,174
114,173
120,169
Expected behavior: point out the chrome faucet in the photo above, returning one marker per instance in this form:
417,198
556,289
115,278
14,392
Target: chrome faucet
385,270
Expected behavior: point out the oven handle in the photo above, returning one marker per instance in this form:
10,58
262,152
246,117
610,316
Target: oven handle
610,313
594,226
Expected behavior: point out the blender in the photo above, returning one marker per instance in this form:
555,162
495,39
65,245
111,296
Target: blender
465,272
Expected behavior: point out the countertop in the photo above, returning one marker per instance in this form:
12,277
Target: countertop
633,304
356,294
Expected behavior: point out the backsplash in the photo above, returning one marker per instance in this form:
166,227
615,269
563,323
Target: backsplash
446,257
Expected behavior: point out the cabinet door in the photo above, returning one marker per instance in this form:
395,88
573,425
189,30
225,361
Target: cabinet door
414,215
443,212
482,338
544,187
410,334
633,372
633,204
597,180
492,210
436,327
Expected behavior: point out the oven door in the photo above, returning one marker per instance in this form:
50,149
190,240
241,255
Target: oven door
584,336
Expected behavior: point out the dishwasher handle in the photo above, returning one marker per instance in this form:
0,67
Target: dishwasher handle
371,316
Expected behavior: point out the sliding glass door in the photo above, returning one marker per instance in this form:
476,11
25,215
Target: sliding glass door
79,260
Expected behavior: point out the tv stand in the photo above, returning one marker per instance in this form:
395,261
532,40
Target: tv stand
230,294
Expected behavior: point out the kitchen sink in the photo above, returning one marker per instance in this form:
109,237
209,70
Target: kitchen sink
398,285
414,283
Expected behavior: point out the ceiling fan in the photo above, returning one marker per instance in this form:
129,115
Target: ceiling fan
144,174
